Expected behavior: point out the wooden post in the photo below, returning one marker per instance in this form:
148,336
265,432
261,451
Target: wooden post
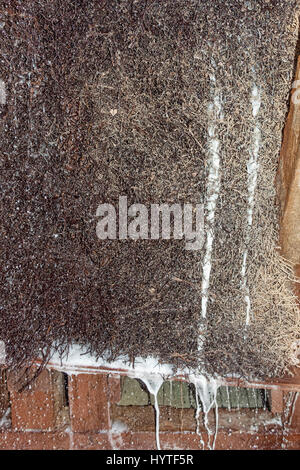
288,180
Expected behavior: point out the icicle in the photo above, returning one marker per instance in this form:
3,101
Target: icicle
216,420
212,190
198,408
255,400
265,399
296,396
288,407
228,398
252,168
115,434
237,397
5,421
206,391
70,429
153,384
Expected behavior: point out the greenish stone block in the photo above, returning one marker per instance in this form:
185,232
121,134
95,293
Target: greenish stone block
133,393
182,395
176,394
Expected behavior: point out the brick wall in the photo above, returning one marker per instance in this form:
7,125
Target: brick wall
83,413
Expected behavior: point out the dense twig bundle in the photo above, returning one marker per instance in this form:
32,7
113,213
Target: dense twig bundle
113,98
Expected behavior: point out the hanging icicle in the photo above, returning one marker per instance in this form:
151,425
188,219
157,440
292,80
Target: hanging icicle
206,393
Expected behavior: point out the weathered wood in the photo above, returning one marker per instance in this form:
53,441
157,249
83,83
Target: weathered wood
287,383
289,178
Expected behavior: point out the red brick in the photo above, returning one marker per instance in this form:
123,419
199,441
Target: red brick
34,441
114,386
35,408
91,441
182,441
145,440
136,440
89,405
277,401
91,397
192,441
248,441
292,442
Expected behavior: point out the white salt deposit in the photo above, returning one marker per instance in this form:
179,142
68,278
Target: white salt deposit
212,190
206,392
77,361
197,416
118,427
153,383
115,434
2,352
252,169
149,371
2,92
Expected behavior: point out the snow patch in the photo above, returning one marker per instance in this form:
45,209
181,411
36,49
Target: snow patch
77,359
118,427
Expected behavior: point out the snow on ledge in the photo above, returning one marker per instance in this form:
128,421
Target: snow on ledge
78,361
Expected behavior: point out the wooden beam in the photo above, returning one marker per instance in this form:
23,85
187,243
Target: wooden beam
287,383
288,178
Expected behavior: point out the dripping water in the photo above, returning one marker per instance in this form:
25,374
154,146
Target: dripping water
206,393
153,384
